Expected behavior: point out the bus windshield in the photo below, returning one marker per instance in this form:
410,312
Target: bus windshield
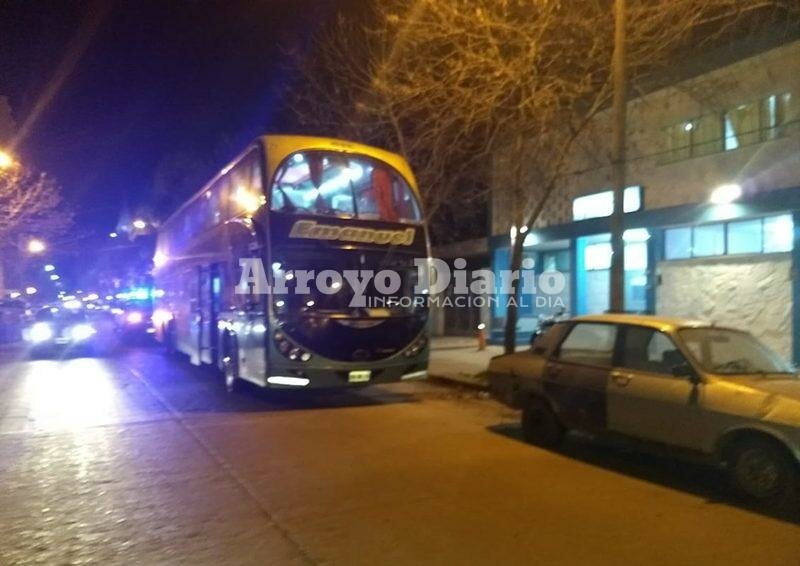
336,184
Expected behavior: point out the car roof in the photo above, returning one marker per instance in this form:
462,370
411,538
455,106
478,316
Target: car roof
660,322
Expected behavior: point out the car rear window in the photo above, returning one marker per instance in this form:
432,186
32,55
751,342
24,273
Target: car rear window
548,340
589,343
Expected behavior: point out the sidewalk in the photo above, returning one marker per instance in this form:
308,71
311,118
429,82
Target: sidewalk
456,358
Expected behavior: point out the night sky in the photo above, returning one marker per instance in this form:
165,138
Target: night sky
142,80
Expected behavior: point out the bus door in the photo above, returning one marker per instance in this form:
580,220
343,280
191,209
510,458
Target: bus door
210,303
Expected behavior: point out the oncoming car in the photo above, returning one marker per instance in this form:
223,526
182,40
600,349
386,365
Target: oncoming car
713,391
71,331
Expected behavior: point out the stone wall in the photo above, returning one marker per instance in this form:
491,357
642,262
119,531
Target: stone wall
752,292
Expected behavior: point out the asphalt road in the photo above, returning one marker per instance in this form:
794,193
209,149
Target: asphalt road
144,459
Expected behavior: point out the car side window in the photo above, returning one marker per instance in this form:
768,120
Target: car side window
589,343
649,350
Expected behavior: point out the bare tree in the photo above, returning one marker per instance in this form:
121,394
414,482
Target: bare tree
349,88
454,82
30,205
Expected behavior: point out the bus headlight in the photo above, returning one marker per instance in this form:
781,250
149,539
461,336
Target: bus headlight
416,347
81,332
40,332
288,349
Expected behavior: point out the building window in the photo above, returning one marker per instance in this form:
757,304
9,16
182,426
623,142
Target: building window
745,237
679,141
707,135
778,233
597,257
600,205
708,240
742,126
635,256
747,124
772,234
678,243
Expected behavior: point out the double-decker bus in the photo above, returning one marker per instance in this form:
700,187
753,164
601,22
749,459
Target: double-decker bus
295,205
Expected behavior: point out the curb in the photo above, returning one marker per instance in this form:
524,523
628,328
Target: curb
454,382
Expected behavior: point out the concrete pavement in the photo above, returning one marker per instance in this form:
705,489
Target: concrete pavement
458,359
147,460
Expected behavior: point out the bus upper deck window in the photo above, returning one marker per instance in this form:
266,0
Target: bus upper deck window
337,184
382,191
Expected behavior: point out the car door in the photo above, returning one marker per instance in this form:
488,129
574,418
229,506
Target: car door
577,373
645,399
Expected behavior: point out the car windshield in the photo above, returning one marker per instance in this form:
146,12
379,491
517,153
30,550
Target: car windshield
730,352
336,184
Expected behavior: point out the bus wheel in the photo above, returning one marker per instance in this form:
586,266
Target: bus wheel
230,369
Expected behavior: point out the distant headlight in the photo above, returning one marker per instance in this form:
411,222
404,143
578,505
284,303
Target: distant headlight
81,332
134,317
40,332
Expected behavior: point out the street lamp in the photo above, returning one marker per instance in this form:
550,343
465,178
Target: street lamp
6,160
726,194
49,267
113,235
139,224
36,246
30,290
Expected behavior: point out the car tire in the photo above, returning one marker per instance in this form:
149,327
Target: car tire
762,472
230,367
540,425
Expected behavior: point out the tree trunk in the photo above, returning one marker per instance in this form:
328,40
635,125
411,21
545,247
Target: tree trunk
617,283
510,335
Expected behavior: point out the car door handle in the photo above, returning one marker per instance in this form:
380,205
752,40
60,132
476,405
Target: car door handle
621,379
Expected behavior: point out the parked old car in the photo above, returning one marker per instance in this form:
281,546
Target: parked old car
712,391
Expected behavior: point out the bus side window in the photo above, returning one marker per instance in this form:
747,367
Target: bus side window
240,240
245,191
219,199
254,165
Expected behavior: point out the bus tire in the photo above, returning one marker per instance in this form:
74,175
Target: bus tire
230,366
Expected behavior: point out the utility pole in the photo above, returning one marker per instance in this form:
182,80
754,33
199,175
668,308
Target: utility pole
618,164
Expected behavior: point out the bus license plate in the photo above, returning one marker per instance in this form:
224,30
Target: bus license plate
359,376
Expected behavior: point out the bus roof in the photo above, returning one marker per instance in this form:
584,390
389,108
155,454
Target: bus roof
280,146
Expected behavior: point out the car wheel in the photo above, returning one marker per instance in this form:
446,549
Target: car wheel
230,371
540,425
762,472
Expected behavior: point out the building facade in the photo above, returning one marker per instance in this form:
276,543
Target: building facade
712,209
